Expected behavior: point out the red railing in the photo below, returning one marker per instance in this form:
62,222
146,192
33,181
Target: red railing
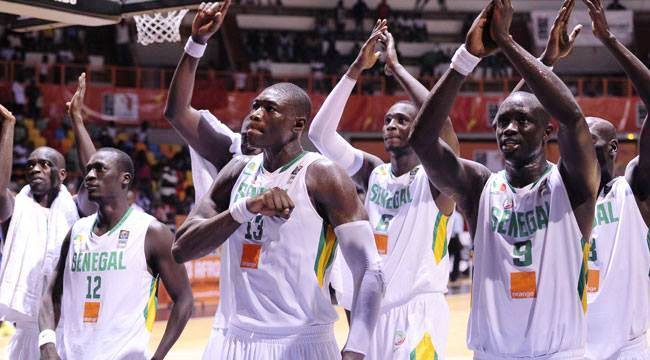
159,78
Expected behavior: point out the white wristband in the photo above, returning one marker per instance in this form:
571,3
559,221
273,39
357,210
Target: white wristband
194,49
46,336
239,211
463,61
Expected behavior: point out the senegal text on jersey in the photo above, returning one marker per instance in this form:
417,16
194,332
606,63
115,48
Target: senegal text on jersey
519,223
604,216
380,196
98,261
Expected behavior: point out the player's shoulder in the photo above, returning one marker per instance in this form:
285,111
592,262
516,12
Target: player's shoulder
157,232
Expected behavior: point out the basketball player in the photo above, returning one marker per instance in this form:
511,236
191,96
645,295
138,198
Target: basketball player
34,223
531,222
277,210
212,145
619,259
408,214
106,280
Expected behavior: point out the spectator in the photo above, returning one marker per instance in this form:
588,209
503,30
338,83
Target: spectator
616,5
359,11
455,246
420,26
383,10
142,132
167,185
442,5
285,50
420,4
122,42
33,95
18,90
339,15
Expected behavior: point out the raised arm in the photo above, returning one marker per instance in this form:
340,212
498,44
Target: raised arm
560,43
174,276
576,148
461,179
335,197
49,313
322,131
85,146
416,91
638,73
6,160
211,142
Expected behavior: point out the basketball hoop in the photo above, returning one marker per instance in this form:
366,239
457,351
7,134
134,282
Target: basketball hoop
161,27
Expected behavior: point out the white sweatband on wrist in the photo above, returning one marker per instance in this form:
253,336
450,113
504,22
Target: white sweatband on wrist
240,212
46,336
360,252
463,61
194,49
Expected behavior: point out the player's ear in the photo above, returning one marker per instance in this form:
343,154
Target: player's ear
299,124
126,179
613,147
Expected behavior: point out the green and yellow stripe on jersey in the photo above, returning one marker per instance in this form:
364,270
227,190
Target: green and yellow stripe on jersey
424,350
582,281
440,237
152,305
326,252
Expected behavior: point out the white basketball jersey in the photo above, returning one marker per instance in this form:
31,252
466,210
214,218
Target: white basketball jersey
109,296
618,288
528,288
410,233
280,268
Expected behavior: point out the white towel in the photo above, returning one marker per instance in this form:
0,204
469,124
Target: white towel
31,252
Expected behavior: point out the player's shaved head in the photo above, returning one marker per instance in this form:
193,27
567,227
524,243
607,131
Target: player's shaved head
526,103
405,106
601,128
50,154
295,97
603,135
121,159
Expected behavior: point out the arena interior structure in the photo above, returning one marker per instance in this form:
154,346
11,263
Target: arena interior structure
46,44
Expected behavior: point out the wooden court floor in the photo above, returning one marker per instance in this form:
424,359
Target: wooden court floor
191,343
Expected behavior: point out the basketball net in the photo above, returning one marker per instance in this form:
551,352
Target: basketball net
159,27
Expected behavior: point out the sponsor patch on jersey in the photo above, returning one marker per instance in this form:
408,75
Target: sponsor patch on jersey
123,237
250,256
381,240
523,285
91,311
79,240
507,204
593,280
399,339
496,188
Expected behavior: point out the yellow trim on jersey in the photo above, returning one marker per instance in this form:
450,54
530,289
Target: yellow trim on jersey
582,281
440,237
424,350
325,255
152,305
